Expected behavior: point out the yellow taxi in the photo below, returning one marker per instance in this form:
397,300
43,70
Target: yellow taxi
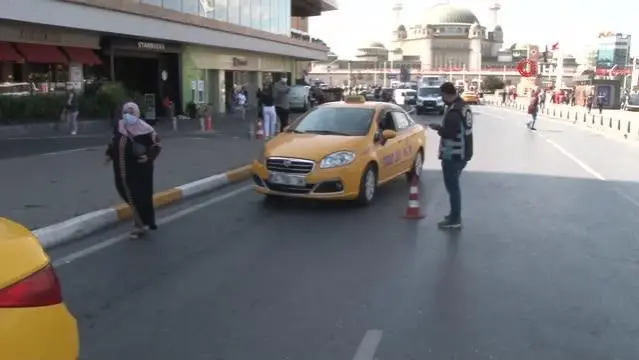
34,322
470,97
341,151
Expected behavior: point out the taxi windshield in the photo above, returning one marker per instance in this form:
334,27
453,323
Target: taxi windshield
633,99
345,121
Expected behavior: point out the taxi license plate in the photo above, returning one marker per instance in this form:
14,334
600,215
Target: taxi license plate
429,107
284,179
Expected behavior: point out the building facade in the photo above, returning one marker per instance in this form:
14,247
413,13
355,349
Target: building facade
183,50
448,37
612,54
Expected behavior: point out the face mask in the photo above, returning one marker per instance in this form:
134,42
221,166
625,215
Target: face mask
284,80
130,119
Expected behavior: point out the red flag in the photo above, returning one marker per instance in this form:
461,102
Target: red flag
555,46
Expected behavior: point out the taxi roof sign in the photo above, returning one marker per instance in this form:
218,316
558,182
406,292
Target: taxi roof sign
354,99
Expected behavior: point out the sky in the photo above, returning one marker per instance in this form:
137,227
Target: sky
574,24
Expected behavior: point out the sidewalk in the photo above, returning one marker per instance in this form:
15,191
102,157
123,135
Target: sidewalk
607,113
41,190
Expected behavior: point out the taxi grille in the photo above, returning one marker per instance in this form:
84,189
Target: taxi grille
289,166
432,103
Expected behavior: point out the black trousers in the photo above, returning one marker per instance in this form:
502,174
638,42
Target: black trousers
282,114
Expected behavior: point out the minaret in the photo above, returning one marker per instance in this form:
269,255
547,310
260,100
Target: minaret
397,9
495,11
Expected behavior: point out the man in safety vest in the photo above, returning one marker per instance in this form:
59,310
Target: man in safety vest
455,149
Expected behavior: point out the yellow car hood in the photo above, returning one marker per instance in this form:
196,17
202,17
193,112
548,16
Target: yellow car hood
311,146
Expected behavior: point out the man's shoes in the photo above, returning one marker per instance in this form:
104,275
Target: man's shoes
447,223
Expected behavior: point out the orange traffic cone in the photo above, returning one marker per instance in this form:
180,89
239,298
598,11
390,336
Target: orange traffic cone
413,210
209,123
259,132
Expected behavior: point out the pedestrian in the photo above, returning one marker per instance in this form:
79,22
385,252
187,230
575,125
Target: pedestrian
71,110
240,103
268,111
533,109
503,97
601,98
280,96
455,150
133,149
589,101
542,100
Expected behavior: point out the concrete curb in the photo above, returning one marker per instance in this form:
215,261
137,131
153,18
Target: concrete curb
77,227
620,128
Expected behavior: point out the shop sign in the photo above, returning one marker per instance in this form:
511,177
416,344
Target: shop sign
238,61
33,34
37,35
151,46
142,45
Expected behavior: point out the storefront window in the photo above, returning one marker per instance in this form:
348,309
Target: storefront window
191,6
256,13
284,17
172,4
221,10
266,15
274,23
245,13
234,11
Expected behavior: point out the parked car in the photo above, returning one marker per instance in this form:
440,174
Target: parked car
298,97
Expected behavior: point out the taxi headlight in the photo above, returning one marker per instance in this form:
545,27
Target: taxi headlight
336,159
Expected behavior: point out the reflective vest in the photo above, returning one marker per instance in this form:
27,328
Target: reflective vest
461,147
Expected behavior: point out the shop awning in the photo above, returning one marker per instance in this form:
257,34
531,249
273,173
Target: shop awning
82,55
7,53
42,54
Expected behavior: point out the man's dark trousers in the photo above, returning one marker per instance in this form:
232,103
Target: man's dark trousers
451,170
282,114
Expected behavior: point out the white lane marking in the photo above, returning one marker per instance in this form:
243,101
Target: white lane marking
368,346
581,164
165,220
66,151
18,138
572,157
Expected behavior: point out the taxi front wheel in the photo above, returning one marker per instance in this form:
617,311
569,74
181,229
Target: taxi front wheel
368,185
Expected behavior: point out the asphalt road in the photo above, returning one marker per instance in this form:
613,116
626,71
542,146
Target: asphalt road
545,267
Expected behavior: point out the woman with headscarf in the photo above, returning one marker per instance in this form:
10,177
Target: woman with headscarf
133,149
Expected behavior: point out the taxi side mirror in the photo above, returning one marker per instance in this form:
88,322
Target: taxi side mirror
389,134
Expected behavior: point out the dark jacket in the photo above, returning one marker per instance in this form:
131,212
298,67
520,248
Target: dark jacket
456,133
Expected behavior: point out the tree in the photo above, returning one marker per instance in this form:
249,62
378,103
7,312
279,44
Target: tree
492,83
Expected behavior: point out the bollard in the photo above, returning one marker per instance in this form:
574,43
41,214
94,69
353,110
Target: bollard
601,120
619,125
628,129
202,125
593,119
553,112
561,114
173,117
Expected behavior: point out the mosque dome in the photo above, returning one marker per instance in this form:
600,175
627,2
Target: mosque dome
449,14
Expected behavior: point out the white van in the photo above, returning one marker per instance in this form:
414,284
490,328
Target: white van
429,99
405,96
